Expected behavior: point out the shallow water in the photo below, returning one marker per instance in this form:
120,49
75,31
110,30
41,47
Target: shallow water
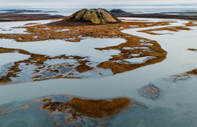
11,57
175,107
60,47
17,27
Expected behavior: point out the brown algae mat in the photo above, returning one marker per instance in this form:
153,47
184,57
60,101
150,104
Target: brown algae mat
66,110
79,107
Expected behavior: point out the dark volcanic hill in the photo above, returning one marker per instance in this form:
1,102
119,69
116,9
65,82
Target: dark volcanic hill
96,16
119,12
88,17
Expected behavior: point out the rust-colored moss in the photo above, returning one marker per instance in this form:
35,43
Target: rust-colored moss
47,100
191,23
77,33
88,107
172,28
191,49
184,76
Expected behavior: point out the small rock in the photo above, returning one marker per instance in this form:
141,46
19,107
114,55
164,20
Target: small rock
150,91
20,39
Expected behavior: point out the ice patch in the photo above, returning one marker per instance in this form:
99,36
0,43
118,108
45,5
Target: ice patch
162,32
95,73
135,55
133,48
62,30
139,60
60,61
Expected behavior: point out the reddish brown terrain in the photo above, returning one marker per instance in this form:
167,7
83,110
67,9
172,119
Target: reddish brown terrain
81,26
77,33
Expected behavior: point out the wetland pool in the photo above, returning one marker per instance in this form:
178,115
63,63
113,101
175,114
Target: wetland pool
21,101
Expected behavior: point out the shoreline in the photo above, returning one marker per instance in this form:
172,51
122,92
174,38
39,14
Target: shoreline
165,15
22,15
10,17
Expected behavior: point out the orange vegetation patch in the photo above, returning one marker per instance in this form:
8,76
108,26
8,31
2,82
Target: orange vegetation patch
185,75
193,72
76,33
172,28
191,23
117,64
191,49
88,107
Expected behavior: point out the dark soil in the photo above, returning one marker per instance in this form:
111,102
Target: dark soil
26,17
180,15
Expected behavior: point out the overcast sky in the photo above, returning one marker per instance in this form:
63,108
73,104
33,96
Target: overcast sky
78,3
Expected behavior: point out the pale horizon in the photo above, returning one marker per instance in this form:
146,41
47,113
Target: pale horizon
85,3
